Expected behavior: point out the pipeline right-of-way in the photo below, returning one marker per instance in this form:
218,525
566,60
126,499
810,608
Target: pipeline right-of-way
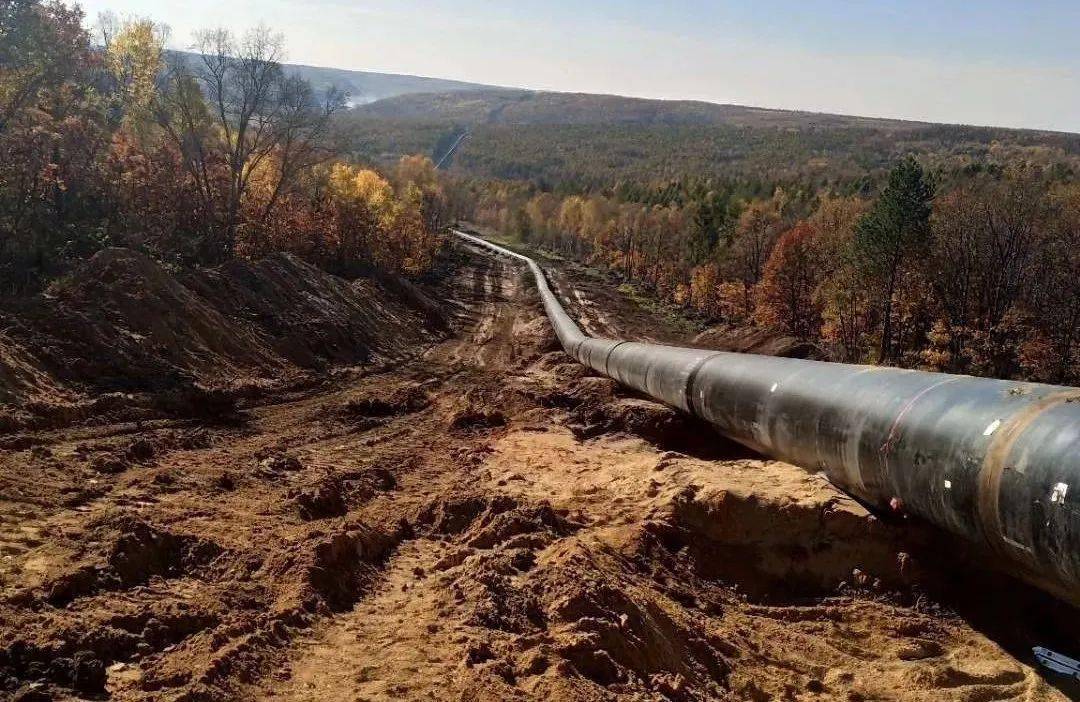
994,461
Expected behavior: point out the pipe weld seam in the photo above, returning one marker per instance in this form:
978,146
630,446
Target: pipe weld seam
988,490
607,358
691,378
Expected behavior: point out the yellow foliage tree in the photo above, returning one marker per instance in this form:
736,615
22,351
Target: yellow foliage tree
134,56
361,187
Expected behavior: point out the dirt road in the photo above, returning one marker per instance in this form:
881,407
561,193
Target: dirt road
486,523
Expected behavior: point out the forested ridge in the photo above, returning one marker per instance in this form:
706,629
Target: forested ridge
575,141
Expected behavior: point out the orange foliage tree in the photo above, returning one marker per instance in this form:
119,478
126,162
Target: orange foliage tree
787,294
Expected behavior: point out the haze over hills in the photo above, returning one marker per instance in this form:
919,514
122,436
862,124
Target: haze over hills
364,87
396,96
589,140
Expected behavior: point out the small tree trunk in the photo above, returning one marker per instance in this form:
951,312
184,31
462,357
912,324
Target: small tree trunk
885,349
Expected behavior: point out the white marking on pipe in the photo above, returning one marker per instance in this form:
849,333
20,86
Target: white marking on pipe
948,485
992,428
1057,495
774,386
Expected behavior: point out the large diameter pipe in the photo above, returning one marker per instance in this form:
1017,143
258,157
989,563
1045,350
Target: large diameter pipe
996,462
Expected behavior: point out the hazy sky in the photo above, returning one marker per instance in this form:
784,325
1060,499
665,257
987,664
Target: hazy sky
995,62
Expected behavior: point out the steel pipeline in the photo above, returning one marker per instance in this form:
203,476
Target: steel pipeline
996,462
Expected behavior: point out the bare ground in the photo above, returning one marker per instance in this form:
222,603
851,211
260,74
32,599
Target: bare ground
486,522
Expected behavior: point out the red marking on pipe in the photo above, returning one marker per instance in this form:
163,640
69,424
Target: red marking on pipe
891,440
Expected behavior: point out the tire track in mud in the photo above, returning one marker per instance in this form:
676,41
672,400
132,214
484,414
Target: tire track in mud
486,316
395,644
238,493
398,643
606,312
581,308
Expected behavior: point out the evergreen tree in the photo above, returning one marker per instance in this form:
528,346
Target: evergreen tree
895,234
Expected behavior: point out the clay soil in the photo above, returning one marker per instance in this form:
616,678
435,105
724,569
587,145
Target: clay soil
480,520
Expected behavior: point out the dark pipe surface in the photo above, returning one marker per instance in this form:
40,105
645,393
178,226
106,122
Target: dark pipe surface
994,461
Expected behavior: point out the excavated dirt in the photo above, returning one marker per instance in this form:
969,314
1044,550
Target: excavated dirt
486,521
124,338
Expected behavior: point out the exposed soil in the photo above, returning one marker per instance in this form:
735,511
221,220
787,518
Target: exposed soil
604,306
124,338
485,521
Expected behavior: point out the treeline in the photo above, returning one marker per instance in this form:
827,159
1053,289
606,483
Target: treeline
979,275
107,141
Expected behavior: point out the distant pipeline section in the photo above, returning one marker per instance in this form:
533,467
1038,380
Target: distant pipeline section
994,461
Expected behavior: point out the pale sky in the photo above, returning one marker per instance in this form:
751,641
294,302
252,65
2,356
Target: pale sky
1009,63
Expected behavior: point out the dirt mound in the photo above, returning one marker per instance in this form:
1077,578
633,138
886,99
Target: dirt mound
140,552
744,578
194,611
660,425
20,375
402,400
651,421
778,547
619,635
128,556
759,341
313,319
343,561
124,324
334,495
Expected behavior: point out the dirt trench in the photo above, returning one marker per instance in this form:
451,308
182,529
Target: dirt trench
489,522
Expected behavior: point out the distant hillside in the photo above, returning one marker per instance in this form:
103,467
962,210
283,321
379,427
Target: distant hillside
522,107
364,87
590,141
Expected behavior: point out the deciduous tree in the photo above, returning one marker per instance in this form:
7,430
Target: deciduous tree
787,295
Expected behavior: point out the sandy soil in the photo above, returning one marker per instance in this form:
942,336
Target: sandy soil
486,522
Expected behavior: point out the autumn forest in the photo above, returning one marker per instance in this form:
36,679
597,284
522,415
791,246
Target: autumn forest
107,139
972,271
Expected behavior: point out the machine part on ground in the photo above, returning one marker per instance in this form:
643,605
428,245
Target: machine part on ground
1057,662
996,462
